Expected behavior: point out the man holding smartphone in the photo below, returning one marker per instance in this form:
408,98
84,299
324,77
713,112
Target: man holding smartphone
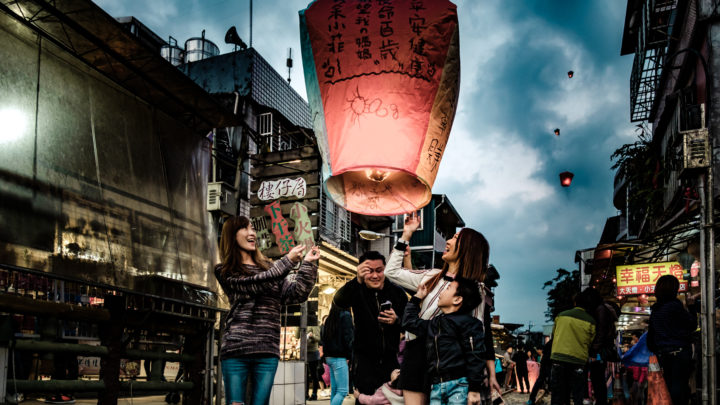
377,305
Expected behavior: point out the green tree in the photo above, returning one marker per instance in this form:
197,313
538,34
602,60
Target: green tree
563,289
644,172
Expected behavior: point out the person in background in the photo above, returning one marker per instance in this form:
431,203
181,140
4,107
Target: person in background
313,361
573,334
544,374
670,337
603,348
256,289
388,394
376,304
521,368
337,337
509,366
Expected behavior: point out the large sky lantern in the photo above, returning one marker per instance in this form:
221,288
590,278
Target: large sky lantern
382,80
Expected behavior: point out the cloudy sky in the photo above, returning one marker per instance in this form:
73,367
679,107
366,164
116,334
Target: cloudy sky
501,166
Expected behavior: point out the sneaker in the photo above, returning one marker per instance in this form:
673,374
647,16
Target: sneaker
60,399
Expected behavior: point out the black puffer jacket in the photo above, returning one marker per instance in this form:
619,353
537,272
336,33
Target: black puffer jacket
455,344
338,344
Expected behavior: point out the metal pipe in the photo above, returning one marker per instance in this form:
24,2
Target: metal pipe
94,386
38,346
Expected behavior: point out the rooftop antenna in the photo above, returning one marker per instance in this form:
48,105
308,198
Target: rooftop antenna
251,1
289,63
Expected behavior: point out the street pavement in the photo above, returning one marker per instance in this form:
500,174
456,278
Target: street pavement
510,399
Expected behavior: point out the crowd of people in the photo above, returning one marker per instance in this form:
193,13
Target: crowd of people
435,347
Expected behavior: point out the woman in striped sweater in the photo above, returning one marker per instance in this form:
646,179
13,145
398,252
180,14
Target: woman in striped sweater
466,255
256,289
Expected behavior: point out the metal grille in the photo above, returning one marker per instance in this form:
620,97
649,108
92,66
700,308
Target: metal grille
654,36
334,222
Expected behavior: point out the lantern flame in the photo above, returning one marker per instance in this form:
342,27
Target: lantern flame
377,175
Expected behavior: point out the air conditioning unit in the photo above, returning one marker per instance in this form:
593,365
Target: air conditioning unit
695,150
221,197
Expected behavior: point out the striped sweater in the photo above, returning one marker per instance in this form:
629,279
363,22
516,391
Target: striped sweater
412,279
252,328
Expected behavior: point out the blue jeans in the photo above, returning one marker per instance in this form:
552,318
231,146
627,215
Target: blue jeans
235,375
454,392
339,379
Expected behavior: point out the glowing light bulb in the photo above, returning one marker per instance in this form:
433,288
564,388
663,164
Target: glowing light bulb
376,174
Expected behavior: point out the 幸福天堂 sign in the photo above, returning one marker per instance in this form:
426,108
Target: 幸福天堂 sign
638,279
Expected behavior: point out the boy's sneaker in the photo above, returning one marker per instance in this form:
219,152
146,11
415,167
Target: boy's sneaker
60,399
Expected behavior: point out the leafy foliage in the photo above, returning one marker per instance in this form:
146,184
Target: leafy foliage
643,172
563,289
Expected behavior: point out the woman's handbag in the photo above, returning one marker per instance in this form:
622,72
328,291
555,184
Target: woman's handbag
498,366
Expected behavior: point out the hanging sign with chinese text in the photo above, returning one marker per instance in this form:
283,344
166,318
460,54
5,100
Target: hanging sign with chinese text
382,80
641,278
274,189
303,227
280,228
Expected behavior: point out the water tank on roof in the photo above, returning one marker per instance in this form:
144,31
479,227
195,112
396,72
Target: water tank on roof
200,48
172,53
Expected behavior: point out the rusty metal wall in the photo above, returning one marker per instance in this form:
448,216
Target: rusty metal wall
94,182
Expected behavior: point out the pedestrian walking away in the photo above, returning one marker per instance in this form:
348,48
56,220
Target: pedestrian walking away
337,338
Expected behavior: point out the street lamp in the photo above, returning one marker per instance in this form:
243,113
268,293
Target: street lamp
371,235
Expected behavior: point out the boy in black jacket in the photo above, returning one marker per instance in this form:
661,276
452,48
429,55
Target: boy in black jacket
454,341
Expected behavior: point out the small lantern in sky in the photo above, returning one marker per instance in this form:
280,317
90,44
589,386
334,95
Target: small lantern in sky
557,131
570,74
566,178
382,80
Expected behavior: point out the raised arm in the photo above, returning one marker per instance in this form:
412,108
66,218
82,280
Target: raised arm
411,320
394,271
259,283
296,288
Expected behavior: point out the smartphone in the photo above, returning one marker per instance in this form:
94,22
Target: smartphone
385,306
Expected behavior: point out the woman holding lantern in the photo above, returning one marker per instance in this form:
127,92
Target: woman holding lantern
466,255
256,289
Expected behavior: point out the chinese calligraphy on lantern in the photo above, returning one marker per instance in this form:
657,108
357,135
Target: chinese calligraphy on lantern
279,224
272,190
641,278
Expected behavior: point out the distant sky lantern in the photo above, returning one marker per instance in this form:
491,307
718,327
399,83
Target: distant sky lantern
566,178
557,131
570,74
382,80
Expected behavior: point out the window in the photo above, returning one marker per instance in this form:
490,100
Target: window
399,222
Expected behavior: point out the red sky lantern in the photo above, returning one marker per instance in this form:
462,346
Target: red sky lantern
570,74
382,80
557,131
566,178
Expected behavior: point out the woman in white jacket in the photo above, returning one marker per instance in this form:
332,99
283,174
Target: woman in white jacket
466,254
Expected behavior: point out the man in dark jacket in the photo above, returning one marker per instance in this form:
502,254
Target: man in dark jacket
603,349
376,304
670,337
